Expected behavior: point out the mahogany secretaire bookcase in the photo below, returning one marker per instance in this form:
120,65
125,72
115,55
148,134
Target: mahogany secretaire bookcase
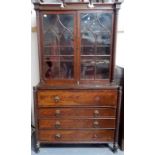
77,100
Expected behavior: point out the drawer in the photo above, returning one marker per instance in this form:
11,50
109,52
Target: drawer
77,98
76,112
60,136
76,123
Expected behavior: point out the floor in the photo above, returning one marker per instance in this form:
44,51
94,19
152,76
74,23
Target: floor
75,150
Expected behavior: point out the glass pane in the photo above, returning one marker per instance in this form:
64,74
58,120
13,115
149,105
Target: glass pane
105,21
52,58
66,50
87,70
102,67
66,58
98,1
66,21
87,38
96,26
87,50
103,38
58,33
87,58
66,70
58,29
96,30
51,69
66,39
75,1
103,50
87,67
54,50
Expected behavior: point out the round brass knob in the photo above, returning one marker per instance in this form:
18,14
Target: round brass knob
57,124
96,123
96,113
56,99
95,136
97,98
58,136
57,112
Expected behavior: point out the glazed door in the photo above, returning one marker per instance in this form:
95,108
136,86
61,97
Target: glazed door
95,45
59,44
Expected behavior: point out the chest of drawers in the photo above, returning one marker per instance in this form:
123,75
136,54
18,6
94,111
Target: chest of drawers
80,116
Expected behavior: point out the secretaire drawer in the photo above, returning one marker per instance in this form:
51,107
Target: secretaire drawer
76,123
77,98
76,112
57,136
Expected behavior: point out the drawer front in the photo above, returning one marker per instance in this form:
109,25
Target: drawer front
76,123
58,136
76,112
77,98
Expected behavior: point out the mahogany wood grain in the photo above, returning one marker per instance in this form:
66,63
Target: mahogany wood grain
49,7
76,136
76,98
77,112
76,123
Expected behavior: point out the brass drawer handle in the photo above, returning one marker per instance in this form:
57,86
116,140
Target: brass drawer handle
57,124
58,136
96,113
96,124
95,136
56,99
57,112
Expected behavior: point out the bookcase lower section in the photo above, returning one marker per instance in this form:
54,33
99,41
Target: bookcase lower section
77,116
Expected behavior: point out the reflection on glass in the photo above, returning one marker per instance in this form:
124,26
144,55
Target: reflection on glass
87,38
87,67
66,58
87,70
51,39
51,50
103,50
87,50
96,29
102,68
98,1
66,70
74,1
103,39
52,70
95,67
66,50
58,42
66,39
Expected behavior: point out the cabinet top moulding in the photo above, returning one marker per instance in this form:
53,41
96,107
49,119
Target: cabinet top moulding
76,6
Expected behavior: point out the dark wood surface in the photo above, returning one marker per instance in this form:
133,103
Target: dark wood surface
69,118
76,123
119,78
76,136
77,98
76,112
